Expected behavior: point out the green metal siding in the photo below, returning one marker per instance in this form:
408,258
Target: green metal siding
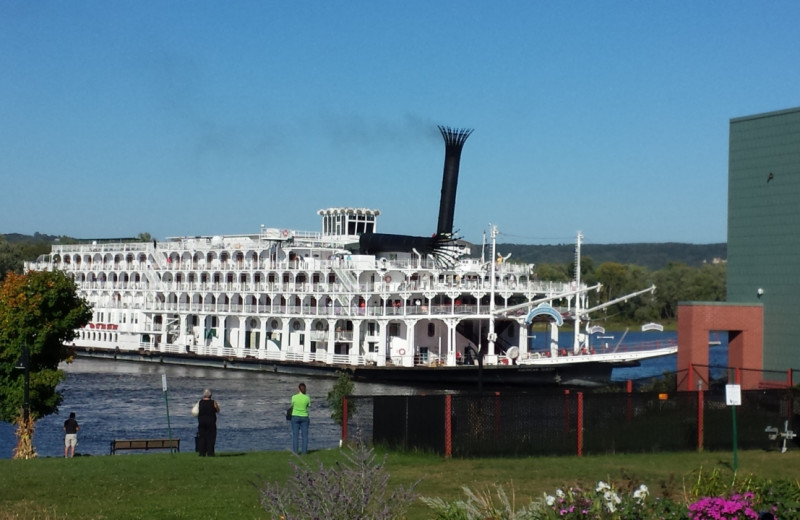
764,227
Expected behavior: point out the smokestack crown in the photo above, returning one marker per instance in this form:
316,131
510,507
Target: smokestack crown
454,141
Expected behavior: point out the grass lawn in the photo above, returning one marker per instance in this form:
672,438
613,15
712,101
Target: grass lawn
162,485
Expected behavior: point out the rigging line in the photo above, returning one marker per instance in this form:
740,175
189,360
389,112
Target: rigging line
528,237
562,241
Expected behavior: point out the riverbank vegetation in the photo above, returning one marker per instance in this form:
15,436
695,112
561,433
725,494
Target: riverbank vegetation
157,485
674,283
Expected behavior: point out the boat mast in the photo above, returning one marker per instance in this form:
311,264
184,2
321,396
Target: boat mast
576,335
492,337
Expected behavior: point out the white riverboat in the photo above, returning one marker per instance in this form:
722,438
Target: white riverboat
384,307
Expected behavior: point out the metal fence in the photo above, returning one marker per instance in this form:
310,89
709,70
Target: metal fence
513,423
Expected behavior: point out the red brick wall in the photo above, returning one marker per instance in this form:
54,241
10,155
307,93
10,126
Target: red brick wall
745,343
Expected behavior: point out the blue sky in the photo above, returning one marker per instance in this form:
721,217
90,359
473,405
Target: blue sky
207,117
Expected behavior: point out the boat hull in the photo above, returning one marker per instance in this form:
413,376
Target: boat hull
586,375
589,374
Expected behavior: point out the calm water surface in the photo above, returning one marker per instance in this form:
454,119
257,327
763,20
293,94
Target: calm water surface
125,400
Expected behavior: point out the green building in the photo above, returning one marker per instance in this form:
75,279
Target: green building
764,228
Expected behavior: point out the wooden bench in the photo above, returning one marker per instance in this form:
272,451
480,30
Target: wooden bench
145,444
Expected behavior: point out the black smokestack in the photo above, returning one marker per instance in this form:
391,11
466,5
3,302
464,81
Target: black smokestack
454,142
442,245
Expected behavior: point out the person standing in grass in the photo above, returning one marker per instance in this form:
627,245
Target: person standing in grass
207,425
71,435
300,420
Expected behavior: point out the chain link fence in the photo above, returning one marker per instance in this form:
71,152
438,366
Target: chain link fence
514,423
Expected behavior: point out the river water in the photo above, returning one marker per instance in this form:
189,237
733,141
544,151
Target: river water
126,400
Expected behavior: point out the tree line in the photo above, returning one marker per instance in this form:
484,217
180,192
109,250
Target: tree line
654,256
674,283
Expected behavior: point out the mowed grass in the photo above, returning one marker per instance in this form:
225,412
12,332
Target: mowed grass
163,485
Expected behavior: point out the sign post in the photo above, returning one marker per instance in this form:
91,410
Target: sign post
733,398
166,403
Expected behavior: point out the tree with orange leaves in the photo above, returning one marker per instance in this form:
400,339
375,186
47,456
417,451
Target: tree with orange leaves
39,312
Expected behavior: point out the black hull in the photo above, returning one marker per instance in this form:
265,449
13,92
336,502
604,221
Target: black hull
566,375
584,374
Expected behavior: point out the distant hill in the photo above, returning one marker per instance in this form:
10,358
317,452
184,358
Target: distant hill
653,256
36,238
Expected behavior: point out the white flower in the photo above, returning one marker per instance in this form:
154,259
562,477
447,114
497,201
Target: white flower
550,500
560,493
641,493
602,486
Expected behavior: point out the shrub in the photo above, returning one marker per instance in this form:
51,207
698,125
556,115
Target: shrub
355,488
481,506
343,387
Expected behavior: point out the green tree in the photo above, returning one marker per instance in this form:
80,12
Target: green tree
674,283
553,273
14,254
10,258
39,312
642,308
613,276
709,284
343,387
587,269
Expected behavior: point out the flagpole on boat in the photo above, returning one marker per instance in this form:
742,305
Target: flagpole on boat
575,335
492,337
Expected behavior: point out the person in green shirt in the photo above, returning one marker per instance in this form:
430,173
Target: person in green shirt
300,420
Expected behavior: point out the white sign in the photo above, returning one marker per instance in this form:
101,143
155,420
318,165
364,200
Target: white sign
733,395
164,381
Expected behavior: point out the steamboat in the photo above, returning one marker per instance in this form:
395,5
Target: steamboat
385,308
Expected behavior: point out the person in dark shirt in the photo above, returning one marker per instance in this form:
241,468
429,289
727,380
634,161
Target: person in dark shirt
71,435
207,425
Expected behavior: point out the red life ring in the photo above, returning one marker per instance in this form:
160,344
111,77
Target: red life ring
402,352
387,278
285,232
